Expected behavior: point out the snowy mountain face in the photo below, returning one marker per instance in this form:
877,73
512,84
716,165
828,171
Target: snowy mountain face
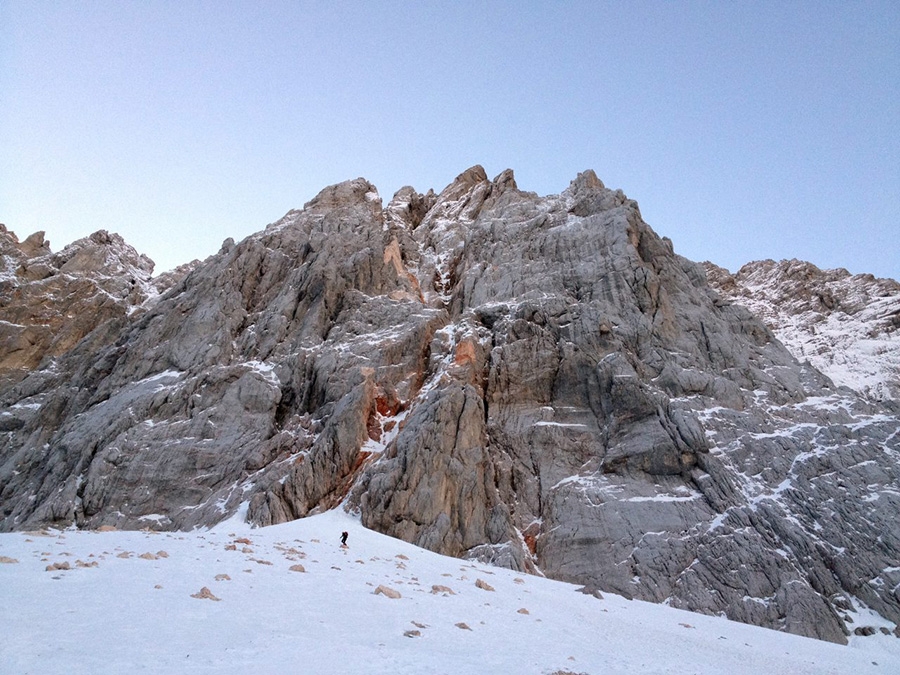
535,382
847,326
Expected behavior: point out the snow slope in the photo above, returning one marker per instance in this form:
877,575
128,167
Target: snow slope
136,614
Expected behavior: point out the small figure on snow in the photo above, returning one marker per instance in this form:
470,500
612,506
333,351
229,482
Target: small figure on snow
344,539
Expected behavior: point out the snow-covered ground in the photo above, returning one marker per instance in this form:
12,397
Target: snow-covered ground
127,605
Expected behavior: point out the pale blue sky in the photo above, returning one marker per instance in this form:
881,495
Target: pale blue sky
744,130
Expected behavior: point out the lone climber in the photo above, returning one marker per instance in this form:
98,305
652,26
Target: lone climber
343,538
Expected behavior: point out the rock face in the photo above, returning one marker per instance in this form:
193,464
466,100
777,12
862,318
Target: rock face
847,326
539,382
50,301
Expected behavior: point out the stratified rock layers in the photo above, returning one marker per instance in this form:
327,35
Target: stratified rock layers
538,382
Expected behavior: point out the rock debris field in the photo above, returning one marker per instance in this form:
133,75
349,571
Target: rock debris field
289,598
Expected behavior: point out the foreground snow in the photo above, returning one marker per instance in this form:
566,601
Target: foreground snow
130,613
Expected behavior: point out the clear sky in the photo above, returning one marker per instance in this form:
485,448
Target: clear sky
745,130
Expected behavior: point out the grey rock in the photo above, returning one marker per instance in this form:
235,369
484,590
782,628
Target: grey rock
535,382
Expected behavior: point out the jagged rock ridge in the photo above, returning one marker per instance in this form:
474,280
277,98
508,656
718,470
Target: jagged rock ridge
846,325
50,301
535,381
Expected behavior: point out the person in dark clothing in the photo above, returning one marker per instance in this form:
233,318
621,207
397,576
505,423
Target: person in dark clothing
343,538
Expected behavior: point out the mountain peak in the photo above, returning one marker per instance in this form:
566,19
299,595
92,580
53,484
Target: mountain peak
344,193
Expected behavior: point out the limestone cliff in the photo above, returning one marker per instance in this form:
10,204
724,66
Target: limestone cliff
536,381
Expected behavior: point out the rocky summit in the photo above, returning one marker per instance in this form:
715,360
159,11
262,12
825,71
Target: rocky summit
537,382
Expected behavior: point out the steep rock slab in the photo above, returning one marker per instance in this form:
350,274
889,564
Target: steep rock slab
605,352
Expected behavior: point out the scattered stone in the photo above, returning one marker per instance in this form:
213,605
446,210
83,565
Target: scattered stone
436,588
297,568
81,563
387,591
591,589
412,633
523,611
147,556
7,559
124,555
483,585
205,594
223,577
463,626
58,566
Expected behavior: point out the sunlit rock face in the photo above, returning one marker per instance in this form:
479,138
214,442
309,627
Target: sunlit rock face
540,382
48,301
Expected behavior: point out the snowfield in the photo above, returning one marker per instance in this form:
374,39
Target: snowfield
134,602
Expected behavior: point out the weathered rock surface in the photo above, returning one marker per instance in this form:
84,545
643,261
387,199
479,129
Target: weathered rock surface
50,301
846,325
537,382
